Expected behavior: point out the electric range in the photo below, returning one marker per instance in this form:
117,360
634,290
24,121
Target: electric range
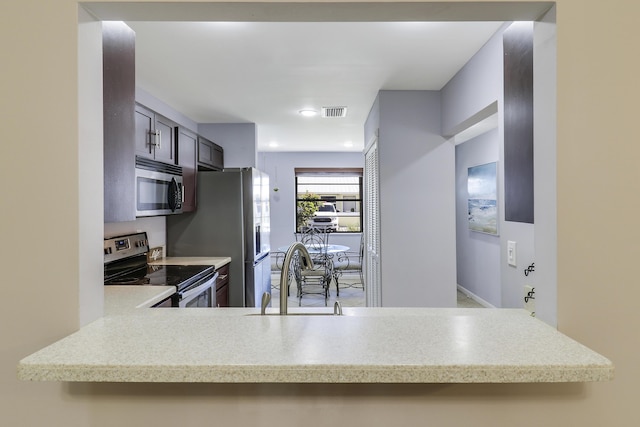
125,263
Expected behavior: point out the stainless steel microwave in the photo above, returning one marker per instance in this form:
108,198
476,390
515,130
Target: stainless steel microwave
158,188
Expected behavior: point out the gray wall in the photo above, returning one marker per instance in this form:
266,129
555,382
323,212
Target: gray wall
477,254
464,99
472,91
148,100
417,202
237,139
280,167
477,85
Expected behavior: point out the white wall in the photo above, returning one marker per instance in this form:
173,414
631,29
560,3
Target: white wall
90,150
280,168
545,278
417,202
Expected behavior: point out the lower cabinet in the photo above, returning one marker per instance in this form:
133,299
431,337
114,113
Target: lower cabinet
222,287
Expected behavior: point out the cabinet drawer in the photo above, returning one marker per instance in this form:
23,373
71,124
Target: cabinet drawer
223,276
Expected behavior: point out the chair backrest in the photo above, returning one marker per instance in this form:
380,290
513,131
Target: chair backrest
316,241
315,238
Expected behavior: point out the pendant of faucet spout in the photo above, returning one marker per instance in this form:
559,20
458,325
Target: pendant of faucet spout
307,264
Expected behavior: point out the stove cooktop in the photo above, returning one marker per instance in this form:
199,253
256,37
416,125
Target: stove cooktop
167,275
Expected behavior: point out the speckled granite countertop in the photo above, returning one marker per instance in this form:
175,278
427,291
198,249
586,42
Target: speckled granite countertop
217,262
126,298
365,345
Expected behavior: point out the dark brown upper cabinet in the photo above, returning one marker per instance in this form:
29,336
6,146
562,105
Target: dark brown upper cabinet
187,148
155,135
210,155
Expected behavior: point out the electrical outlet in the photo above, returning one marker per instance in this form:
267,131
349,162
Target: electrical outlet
530,299
511,253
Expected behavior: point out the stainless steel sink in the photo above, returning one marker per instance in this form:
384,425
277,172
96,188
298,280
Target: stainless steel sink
266,299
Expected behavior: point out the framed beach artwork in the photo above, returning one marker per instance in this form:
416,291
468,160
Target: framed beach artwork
482,189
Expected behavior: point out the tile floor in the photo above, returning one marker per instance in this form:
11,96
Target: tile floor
351,295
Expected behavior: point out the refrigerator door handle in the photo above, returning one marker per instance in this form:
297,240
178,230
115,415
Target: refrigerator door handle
261,258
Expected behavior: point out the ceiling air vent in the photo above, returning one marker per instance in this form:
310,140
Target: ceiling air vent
334,112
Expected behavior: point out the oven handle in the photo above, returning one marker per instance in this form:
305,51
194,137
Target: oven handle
189,292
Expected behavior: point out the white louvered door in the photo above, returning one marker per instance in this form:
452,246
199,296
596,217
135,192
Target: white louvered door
372,227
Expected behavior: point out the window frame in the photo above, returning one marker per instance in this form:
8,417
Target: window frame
331,172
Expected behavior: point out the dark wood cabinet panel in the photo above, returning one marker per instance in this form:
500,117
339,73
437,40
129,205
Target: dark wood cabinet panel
518,122
155,135
210,155
166,150
144,136
118,46
222,296
187,143
222,287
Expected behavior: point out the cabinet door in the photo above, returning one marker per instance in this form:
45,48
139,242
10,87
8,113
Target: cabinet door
187,144
144,128
165,149
222,287
222,296
218,157
210,155
205,153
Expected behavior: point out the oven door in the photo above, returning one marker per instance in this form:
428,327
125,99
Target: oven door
200,294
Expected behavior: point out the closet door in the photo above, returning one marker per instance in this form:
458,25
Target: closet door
372,227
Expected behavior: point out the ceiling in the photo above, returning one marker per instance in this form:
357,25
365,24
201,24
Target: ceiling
266,72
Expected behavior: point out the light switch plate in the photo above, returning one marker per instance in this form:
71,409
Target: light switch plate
511,253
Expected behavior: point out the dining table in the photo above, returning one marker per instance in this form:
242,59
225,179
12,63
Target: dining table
316,249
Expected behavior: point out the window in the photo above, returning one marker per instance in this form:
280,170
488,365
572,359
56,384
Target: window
329,198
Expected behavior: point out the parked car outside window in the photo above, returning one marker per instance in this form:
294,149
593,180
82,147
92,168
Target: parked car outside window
326,217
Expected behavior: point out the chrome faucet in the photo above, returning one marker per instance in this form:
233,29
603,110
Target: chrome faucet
307,264
266,299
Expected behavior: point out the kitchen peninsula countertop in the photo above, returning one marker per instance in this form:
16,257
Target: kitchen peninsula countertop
365,345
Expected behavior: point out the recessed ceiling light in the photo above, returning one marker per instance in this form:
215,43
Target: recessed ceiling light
308,113
348,144
273,144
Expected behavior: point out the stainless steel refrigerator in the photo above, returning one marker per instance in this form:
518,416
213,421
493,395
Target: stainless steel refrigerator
231,219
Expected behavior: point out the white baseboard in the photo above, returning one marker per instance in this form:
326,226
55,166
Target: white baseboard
475,297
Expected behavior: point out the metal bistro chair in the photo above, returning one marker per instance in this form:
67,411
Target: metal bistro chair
277,261
349,263
316,280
